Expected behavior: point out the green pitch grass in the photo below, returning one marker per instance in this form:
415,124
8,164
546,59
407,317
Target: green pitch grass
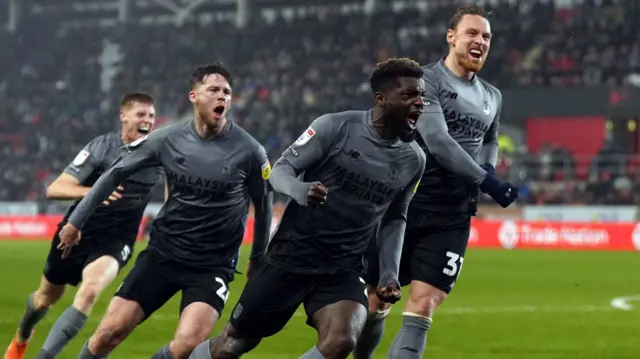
507,305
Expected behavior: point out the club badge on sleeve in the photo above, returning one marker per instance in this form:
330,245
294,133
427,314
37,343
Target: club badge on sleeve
266,170
305,137
81,158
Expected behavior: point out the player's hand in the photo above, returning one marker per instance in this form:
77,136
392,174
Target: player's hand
489,168
69,237
317,195
390,293
504,193
116,195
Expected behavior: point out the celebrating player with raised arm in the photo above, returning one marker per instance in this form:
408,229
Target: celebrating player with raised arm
360,168
213,168
459,134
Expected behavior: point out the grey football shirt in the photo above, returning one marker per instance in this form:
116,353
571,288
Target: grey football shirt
211,182
458,132
121,219
369,180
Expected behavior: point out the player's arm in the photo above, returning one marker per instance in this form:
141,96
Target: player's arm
303,155
68,186
432,127
262,199
489,152
391,233
144,153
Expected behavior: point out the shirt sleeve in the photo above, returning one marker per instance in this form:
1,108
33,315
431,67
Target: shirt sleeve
143,153
88,160
391,235
309,150
433,129
490,145
262,199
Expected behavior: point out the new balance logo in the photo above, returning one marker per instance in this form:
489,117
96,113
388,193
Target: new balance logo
448,94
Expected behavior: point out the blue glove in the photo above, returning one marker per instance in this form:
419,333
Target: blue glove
504,193
489,168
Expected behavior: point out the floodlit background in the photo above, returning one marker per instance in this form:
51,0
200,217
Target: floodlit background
555,277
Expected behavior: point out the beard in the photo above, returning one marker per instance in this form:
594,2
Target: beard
407,134
468,65
399,124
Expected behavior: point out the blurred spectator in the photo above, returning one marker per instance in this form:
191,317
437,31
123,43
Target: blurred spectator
59,85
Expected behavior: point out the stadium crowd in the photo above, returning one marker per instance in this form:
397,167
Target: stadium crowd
59,86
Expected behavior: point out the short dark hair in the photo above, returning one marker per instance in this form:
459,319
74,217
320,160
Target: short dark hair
200,73
386,73
139,97
467,9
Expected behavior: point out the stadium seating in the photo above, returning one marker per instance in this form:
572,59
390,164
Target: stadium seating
60,84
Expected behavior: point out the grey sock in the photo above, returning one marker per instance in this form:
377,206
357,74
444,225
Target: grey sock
202,351
313,353
68,325
411,340
370,337
29,319
162,353
86,354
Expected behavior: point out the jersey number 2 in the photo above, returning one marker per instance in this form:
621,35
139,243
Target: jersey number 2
454,265
223,291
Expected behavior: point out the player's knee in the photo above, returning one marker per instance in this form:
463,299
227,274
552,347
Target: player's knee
182,346
44,299
226,347
106,337
47,294
424,301
111,333
87,295
424,306
231,345
338,344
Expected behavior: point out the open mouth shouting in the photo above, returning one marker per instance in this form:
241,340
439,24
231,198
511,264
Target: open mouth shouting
218,111
412,119
476,54
144,129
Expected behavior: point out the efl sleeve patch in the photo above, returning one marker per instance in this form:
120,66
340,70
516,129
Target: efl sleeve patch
266,170
81,158
415,189
305,137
